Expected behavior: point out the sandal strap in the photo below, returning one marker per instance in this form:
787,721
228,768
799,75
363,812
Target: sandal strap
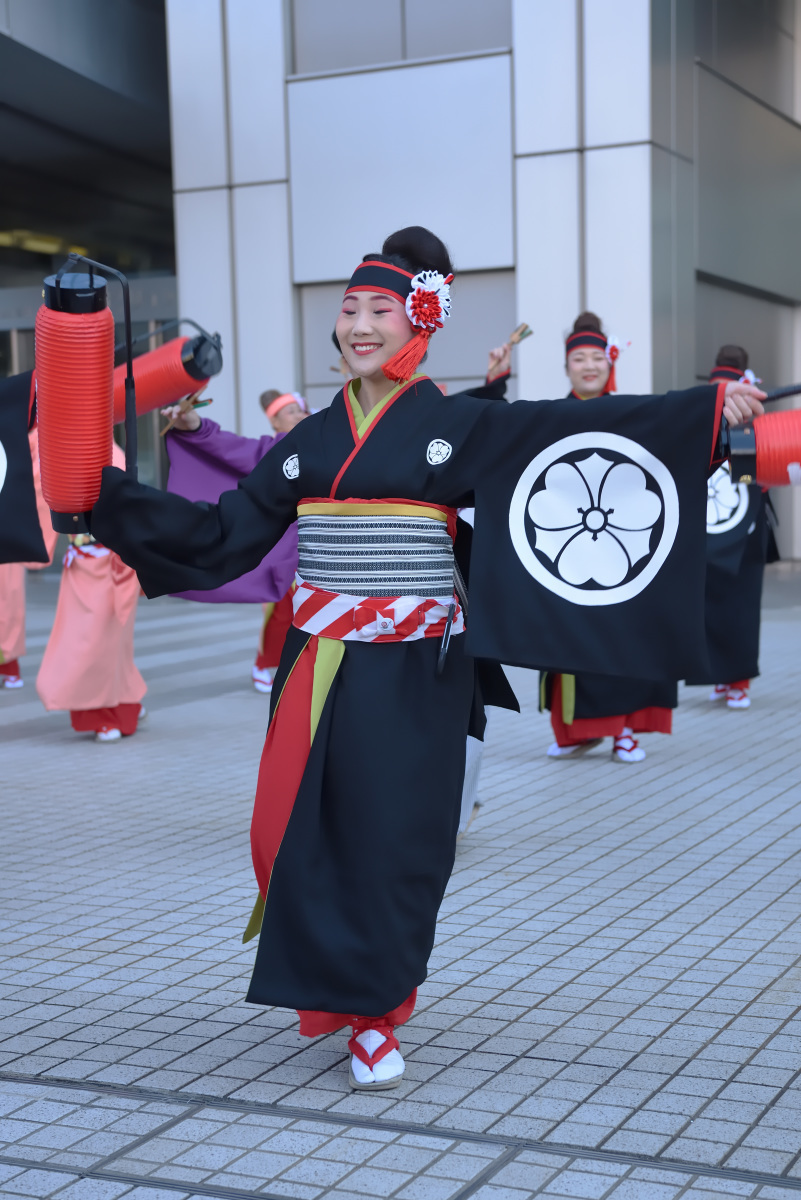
626,742
358,1050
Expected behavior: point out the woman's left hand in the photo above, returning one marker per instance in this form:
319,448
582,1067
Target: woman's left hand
743,401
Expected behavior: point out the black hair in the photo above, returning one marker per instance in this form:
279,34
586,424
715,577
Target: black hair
587,322
335,340
732,356
415,249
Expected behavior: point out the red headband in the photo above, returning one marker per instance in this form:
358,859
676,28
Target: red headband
274,408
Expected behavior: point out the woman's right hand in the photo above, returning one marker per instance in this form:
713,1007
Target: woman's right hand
500,362
184,422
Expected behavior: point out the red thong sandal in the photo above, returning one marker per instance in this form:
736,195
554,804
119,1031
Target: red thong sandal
369,1056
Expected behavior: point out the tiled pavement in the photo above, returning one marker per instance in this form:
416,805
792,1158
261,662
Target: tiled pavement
613,1004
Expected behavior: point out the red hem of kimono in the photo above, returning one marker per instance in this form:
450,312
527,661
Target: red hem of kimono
274,634
10,668
743,684
124,717
584,729
315,1024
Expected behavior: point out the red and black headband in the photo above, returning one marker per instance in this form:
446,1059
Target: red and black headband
585,337
725,373
374,276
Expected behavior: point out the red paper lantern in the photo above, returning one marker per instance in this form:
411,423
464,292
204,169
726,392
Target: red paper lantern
165,375
74,380
778,448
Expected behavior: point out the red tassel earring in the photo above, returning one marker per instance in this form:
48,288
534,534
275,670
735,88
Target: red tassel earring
405,361
427,304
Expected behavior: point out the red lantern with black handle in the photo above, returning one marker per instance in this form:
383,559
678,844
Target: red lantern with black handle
74,387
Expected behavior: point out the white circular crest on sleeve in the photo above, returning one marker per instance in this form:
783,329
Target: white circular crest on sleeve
439,451
291,467
595,520
3,465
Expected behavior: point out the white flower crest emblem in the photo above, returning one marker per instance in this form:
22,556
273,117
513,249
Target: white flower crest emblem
603,523
594,519
3,465
726,502
291,467
439,451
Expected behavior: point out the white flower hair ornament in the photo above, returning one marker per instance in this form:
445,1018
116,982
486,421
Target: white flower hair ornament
427,306
614,348
748,376
429,301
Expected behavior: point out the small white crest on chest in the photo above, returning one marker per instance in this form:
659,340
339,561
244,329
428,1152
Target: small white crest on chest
438,451
291,467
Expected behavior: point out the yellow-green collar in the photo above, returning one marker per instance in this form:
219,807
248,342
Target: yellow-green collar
361,421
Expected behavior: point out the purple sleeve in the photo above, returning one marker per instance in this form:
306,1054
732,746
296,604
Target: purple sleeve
203,465
209,461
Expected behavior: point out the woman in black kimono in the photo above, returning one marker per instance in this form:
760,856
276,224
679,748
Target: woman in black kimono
587,708
358,798
739,543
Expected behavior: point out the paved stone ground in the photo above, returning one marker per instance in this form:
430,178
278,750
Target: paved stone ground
613,1004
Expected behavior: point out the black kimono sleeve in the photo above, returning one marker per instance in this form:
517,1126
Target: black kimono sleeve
175,545
589,544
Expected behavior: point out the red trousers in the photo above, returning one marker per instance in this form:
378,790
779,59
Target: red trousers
91,720
646,720
273,634
313,1024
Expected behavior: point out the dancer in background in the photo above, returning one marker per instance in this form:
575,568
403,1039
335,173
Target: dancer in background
88,666
739,543
587,708
12,585
205,461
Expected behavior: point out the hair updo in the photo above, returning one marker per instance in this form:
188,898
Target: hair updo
587,322
414,249
732,356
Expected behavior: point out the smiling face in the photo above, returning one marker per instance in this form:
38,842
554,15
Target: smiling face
588,370
371,328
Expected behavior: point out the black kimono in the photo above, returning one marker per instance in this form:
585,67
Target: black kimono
739,543
352,901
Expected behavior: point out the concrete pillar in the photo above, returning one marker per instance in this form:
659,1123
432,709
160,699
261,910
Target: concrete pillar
227,89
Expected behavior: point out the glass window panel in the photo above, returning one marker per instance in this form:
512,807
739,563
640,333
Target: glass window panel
333,34
436,27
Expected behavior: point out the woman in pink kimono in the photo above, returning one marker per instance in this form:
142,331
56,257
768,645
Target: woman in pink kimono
88,667
12,586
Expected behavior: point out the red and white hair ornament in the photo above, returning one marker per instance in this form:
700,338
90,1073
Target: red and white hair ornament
427,305
614,348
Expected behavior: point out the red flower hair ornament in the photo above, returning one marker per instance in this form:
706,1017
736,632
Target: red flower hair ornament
612,352
427,305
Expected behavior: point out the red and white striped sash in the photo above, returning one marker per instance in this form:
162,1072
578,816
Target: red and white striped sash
371,618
